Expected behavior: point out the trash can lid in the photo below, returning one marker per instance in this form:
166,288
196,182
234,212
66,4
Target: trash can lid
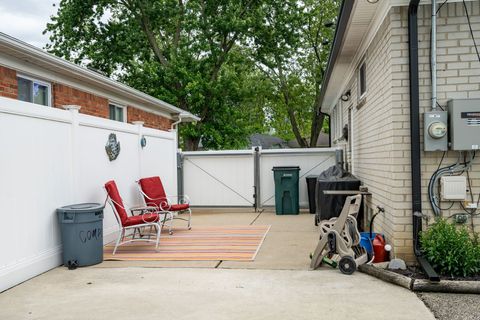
286,168
311,176
82,207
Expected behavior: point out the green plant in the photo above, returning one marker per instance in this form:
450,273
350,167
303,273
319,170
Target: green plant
451,250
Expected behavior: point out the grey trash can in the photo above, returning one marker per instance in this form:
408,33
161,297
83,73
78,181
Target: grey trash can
82,234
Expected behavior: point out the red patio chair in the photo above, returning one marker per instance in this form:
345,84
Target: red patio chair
154,195
148,217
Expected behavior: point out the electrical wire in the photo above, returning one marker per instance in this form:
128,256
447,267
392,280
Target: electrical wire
471,31
440,6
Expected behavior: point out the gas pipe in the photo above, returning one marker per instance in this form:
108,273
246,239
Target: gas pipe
379,249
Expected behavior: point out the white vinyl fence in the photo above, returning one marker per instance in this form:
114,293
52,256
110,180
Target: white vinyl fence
50,158
229,178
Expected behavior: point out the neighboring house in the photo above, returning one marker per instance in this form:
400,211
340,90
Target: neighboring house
266,141
367,88
32,75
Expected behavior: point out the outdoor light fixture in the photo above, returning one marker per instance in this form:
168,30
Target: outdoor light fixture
372,1
346,96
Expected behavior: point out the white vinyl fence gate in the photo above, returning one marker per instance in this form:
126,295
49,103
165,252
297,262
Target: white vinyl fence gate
244,178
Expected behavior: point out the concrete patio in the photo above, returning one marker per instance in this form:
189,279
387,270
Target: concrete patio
277,285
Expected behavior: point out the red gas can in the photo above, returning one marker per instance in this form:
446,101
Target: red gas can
379,249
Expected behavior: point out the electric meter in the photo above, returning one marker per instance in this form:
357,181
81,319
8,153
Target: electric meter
437,130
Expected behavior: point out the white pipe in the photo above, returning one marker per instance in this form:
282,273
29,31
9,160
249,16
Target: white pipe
176,122
433,54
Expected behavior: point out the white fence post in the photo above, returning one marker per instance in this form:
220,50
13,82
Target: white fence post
74,110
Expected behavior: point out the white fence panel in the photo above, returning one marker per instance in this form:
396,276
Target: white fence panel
51,158
219,178
310,161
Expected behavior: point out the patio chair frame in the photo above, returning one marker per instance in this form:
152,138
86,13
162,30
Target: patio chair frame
166,206
137,227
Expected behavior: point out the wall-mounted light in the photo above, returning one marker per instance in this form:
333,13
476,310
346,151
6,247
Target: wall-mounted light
372,1
143,142
346,96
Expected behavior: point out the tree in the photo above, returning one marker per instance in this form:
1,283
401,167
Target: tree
292,50
184,52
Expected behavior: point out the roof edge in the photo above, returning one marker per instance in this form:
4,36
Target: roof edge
342,22
89,75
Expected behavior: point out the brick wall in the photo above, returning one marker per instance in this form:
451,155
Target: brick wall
381,127
8,83
90,104
151,120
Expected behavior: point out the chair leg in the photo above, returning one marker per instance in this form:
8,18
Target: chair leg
159,231
189,226
170,232
120,236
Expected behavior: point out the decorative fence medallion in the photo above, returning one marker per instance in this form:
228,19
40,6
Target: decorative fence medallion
112,147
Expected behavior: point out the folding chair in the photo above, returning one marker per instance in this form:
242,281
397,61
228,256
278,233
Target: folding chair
154,195
148,217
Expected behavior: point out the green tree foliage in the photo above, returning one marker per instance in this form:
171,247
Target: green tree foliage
234,63
292,50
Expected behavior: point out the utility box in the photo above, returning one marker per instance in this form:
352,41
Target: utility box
453,188
435,131
464,128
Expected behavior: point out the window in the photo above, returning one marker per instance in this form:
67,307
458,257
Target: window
117,112
362,81
33,90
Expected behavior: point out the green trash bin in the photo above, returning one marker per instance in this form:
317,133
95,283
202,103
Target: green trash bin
286,190
82,234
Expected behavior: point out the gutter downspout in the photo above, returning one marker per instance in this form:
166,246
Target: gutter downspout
433,55
415,139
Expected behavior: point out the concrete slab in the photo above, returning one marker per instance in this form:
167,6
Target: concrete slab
281,250
157,264
304,222
136,293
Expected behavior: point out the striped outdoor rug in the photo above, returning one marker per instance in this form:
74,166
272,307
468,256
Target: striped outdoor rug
234,243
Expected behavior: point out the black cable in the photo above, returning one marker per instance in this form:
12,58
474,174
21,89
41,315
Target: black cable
440,6
443,157
438,104
471,31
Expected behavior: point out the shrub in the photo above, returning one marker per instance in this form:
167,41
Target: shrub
450,250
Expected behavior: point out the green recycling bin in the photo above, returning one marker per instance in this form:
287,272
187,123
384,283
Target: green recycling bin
286,190
82,234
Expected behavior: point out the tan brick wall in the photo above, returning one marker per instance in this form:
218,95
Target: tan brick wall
151,120
8,83
381,127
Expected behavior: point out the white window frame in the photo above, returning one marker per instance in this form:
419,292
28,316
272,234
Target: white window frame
40,82
118,105
361,96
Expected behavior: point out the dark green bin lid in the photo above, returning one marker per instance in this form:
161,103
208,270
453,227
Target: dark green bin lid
81,207
286,168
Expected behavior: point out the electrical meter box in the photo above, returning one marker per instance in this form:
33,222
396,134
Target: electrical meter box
435,131
464,126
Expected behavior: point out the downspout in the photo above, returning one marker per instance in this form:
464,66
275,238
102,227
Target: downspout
433,55
415,139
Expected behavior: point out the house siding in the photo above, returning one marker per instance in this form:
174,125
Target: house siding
381,126
90,104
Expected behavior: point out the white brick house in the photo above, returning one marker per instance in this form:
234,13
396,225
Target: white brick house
370,63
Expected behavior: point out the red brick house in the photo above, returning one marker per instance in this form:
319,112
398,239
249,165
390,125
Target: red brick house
29,74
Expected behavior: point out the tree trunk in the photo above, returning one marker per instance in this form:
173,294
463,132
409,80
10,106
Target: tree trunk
191,143
317,124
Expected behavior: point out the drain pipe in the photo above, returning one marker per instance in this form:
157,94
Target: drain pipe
433,55
415,139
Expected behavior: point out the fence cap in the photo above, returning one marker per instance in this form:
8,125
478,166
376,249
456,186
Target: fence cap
286,168
81,207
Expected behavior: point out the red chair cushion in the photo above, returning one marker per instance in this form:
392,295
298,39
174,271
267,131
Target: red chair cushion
114,195
179,207
154,193
140,219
